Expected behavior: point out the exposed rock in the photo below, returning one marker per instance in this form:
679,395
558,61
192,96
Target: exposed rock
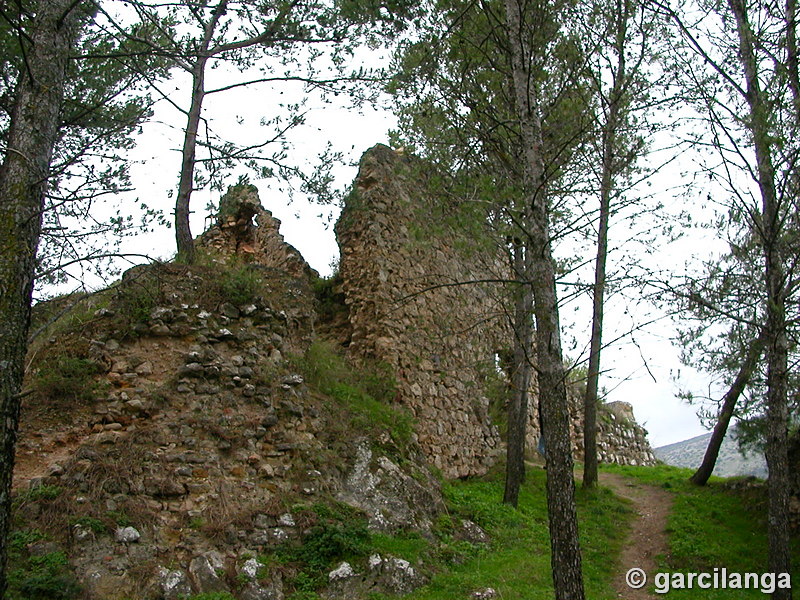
204,571
384,575
472,532
173,584
164,488
391,498
484,594
127,535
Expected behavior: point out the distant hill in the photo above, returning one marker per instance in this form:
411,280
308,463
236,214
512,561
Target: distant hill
730,463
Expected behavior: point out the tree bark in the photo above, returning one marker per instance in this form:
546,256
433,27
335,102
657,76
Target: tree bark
183,233
777,346
521,379
705,469
610,168
562,514
23,181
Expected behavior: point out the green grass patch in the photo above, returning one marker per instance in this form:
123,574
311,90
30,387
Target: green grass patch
240,284
719,525
38,577
409,546
517,563
366,393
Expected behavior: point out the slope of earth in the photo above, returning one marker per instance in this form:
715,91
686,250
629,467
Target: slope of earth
183,435
730,463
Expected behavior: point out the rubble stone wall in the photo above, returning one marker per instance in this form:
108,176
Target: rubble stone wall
247,231
406,307
404,274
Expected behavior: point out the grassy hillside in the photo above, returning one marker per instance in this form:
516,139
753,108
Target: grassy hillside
721,525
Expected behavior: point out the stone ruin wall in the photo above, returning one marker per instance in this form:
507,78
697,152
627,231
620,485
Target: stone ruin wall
438,340
246,231
398,261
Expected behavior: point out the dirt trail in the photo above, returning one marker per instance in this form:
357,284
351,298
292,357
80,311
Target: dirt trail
648,536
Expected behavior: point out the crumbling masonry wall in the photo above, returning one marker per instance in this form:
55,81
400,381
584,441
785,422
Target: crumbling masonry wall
405,309
402,270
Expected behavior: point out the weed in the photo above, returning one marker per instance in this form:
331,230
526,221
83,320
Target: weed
330,298
96,525
137,298
212,596
20,539
240,284
44,577
364,393
334,532
67,378
119,517
41,492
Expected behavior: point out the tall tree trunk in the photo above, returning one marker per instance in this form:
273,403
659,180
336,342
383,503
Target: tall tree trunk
791,55
521,378
562,514
777,345
23,181
609,170
704,471
183,232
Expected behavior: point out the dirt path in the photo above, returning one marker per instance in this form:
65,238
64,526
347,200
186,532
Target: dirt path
648,536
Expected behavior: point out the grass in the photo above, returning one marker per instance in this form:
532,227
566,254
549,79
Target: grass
517,563
714,526
365,393
37,577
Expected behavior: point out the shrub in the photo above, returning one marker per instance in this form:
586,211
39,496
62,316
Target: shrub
137,298
44,577
240,284
67,378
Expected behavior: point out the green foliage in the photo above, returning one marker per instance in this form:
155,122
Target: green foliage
330,301
41,492
409,546
136,299
119,517
43,577
18,540
517,563
364,393
213,596
67,378
337,532
240,284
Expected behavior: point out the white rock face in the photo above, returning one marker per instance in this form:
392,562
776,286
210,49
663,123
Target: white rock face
127,535
343,571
